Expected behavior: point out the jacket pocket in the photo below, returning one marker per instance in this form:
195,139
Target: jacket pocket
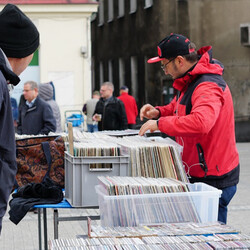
201,157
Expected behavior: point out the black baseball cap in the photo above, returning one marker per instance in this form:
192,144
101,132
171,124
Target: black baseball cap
172,46
123,87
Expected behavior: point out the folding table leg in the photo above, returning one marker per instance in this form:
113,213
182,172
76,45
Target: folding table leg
45,229
39,228
56,222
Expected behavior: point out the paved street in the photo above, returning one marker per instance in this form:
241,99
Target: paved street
24,236
239,209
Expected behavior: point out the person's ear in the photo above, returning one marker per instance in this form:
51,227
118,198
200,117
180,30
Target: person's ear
180,60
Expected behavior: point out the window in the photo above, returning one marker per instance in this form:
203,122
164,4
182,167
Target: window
121,6
244,34
101,13
133,6
110,10
110,71
121,72
134,77
148,3
101,73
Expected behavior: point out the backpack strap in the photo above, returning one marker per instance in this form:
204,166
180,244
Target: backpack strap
46,150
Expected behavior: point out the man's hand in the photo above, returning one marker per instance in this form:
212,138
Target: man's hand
148,111
149,125
95,117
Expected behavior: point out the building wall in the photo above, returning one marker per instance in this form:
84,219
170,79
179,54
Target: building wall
205,22
217,23
135,35
64,31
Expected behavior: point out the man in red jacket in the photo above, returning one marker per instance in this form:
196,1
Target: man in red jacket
200,116
130,106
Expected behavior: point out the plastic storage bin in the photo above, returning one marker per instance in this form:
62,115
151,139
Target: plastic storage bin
81,179
198,205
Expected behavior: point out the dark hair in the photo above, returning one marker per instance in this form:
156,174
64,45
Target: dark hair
192,57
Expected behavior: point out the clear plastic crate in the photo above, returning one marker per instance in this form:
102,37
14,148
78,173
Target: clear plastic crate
81,176
199,205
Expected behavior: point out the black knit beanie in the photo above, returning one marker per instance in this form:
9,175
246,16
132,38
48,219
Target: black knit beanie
19,37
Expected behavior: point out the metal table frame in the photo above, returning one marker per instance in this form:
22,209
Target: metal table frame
56,219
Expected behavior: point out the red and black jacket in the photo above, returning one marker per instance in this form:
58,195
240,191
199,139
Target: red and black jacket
201,117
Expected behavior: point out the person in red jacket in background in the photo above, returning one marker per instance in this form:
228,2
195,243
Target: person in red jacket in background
201,116
130,106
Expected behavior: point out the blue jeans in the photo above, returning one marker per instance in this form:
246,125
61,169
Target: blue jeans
92,128
226,196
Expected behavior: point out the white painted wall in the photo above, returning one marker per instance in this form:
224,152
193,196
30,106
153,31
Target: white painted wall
64,30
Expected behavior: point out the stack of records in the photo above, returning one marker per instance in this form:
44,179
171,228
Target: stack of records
97,148
118,238
223,231
139,200
149,157
153,157
118,185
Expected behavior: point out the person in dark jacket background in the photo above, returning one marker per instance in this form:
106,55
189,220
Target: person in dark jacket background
19,39
110,111
35,116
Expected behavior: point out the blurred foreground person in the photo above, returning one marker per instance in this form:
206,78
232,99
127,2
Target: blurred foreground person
19,39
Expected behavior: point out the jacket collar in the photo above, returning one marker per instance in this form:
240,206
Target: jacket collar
205,65
9,75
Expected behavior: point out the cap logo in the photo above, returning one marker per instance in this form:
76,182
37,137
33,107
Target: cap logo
159,51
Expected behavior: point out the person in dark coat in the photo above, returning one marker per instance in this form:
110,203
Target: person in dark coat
110,111
36,115
19,39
